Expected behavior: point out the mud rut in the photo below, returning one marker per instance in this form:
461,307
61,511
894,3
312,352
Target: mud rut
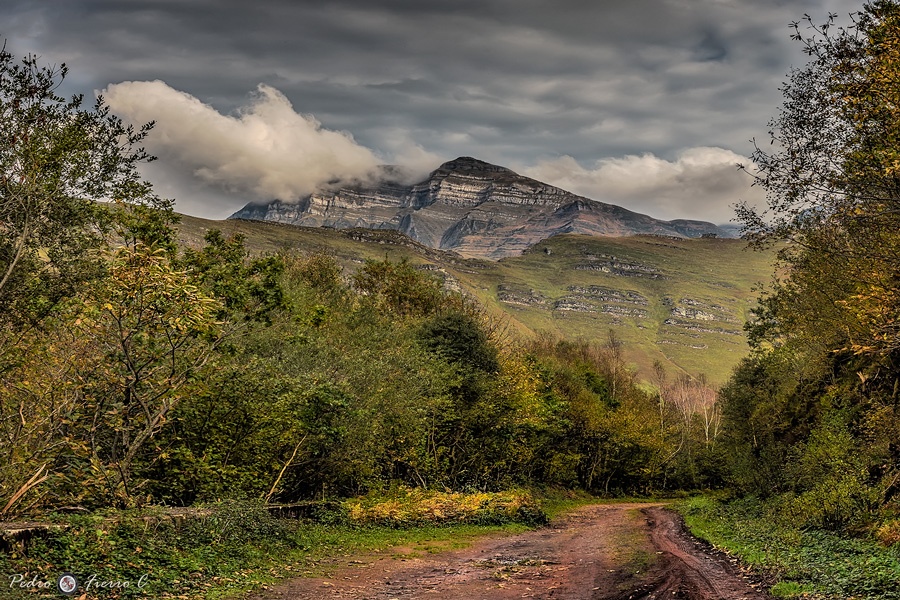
599,552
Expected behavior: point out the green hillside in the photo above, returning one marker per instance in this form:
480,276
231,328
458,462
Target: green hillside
679,301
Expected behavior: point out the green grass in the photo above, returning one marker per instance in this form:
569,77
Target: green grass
237,546
811,563
177,567
635,552
790,589
713,271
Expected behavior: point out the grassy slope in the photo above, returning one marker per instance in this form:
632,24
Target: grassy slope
714,272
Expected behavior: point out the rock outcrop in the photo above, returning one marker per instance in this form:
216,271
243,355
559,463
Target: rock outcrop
472,207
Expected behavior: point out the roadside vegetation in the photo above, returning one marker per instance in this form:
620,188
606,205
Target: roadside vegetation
811,419
809,562
227,548
234,547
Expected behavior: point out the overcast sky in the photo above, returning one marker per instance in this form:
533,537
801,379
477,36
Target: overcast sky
643,103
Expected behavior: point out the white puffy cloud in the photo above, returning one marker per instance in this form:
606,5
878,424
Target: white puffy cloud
264,150
701,183
213,163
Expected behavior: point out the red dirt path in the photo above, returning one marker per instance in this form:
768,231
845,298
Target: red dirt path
599,552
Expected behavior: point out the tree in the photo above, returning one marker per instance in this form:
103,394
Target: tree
460,339
57,160
822,383
155,330
398,287
832,176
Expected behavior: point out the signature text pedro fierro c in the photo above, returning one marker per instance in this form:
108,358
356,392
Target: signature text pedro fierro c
90,582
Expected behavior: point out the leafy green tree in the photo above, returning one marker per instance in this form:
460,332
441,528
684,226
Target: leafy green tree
57,160
459,338
154,330
602,443
61,167
831,173
249,289
159,322
398,287
758,428
818,398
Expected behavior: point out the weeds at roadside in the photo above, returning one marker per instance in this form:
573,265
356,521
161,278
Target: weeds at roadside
232,547
808,563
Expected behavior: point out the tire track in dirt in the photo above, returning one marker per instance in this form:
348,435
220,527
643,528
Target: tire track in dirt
686,570
598,552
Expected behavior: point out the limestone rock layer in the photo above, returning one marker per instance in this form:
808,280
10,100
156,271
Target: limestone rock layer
472,207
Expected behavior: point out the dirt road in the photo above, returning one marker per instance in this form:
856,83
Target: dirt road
599,552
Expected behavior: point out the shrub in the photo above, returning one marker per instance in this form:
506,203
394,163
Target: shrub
889,533
419,507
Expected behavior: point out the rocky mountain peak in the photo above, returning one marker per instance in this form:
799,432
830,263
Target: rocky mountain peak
471,166
470,206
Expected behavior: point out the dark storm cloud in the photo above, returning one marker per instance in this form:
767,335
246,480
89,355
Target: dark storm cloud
520,82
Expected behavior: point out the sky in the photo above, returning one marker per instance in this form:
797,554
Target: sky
648,104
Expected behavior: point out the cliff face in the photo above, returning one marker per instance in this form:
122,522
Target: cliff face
472,207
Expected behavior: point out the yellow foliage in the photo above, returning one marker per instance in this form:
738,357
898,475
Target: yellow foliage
417,505
520,381
889,533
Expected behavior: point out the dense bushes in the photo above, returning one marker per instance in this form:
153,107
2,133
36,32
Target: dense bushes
808,562
812,417
193,375
822,445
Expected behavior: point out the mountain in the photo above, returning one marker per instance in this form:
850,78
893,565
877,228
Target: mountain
679,301
471,207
